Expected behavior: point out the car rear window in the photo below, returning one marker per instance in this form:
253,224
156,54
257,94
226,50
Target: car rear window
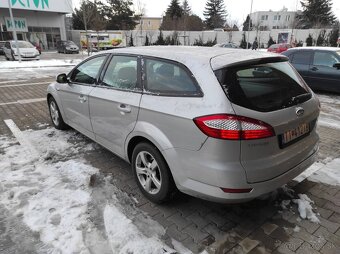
265,87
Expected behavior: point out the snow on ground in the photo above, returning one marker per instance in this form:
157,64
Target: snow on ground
303,202
13,75
50,192
328,173
330,111
39,63
305,208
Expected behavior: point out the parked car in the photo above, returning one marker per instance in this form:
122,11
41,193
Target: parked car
319,66
2,44
27,51
227,45
67,47
279,48
214,123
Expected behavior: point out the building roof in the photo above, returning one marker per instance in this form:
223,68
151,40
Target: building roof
194,57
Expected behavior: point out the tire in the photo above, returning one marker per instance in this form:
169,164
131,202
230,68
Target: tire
56,117
154,180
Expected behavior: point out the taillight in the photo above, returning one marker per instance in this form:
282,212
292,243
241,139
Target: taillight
233,127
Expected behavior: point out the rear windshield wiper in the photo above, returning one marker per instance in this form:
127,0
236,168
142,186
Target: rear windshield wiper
297,100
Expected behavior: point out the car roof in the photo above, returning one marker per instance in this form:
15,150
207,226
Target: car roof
315,48
194,56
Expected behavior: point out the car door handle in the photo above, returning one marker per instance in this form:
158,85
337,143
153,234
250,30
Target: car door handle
314,68
124,108
82,98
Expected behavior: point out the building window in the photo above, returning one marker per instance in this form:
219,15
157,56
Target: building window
287,17
279,17
264,17
149,23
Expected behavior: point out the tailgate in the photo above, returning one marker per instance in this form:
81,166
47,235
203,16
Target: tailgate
275,94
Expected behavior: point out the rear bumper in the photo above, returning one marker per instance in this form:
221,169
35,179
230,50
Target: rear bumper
232,176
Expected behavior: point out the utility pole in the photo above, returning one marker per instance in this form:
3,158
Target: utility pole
294,23
14,30
85,25
251,10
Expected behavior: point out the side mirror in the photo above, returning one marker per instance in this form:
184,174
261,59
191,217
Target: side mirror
62,78
337,65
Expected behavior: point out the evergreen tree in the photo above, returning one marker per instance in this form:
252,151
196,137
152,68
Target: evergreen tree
309,40
321,40
160,39
270,41
215,14
186,9
316,14
119,15
246,24
147,42
174,10
333,37
131,41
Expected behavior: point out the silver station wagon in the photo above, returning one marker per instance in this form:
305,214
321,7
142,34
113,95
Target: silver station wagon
225,125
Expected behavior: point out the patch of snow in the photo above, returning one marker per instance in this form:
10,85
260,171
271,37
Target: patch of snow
39,64
328,174
305,208
297,229
180,248
51,194
308,172
330,111
124,237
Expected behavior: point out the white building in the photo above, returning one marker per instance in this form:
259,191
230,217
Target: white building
39,21
269,20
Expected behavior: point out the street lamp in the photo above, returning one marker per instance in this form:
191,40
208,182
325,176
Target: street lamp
14,29
251,10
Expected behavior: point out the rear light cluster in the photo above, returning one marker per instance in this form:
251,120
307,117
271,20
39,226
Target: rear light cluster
233,127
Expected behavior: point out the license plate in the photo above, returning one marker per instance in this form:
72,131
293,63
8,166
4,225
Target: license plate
294,134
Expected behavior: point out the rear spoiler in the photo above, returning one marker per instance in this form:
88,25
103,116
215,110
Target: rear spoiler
256,61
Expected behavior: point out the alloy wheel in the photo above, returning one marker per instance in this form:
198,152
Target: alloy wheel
148,172
54,113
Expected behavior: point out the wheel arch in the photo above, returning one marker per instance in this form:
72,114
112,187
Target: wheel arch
51,93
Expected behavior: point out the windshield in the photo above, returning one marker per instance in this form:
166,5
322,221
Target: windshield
70,43
264,87
22,44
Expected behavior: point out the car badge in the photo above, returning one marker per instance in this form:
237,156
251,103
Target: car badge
299,111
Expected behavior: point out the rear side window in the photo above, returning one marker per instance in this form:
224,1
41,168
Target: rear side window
302,57
324,59
264,88
167,78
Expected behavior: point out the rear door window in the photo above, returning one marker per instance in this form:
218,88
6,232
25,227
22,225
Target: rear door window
302,57
264,88
122,73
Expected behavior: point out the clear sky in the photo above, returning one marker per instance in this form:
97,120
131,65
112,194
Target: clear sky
237,9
